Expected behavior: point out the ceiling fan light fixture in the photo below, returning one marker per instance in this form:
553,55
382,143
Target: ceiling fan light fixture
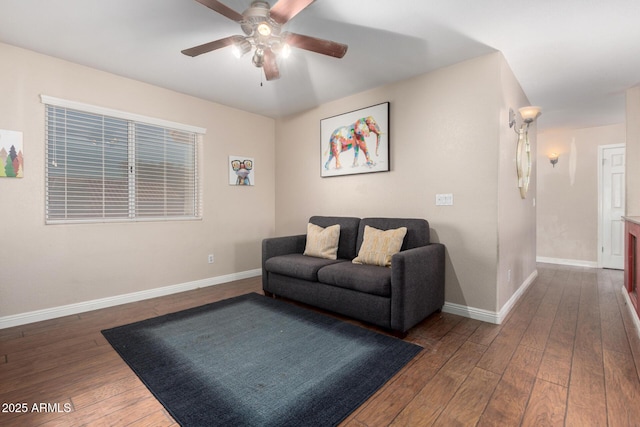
286,50
240,48
264,29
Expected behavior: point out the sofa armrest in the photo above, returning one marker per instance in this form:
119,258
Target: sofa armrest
417,285
276,246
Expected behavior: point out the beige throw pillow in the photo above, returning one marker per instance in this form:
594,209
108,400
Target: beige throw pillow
322,242
379,246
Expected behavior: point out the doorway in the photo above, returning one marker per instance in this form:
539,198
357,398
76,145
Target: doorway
611,204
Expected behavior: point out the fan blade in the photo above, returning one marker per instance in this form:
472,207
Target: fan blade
270,66
325,47
208,47
222,9
284,10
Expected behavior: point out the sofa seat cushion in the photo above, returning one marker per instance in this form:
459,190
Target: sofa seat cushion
370,279
299,266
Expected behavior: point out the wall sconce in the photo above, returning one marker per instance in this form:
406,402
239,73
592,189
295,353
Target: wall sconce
523,149
553,158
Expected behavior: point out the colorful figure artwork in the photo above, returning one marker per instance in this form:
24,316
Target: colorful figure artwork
11,159
343,138
353,136
241,170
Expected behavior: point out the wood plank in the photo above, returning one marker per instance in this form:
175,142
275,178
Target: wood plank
499,353
555,369
50,350
118,410
76,382
113,388
558,354
426,407
385,405
546,406
614,336
467,405
509,400
623,389
65,374
466,327
155,419
47,325
587,400
485,334
58,369
438,325
538,330
9,334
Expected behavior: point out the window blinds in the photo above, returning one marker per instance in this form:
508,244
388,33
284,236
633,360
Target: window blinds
103,168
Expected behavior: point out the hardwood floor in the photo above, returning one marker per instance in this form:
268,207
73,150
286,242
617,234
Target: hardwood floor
568,354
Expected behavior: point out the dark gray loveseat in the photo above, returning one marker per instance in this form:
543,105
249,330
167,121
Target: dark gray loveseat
395,298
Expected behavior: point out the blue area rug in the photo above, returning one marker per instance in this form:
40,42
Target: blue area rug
256,361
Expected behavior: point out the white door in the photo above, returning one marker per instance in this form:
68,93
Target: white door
612,208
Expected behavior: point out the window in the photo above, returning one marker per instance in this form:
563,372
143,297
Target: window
106,165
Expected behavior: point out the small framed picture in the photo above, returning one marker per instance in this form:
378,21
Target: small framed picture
11,159
241,170
355,142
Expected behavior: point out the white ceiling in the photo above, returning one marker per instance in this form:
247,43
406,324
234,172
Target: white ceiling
574,58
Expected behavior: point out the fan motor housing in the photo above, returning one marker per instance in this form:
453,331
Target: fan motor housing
256,14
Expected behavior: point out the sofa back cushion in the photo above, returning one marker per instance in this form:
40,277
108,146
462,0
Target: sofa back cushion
348,232
417,230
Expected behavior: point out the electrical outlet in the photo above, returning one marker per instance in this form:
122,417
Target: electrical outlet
210,259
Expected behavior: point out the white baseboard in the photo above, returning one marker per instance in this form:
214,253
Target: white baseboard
471,312
504,311
487,315
571,262
67,310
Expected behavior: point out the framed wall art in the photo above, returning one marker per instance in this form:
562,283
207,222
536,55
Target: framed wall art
355,142
11,160
241,170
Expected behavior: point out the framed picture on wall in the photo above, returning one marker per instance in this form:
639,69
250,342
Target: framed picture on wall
11,159
355,142
241,170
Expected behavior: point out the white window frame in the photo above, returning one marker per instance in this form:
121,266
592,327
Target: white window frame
132,119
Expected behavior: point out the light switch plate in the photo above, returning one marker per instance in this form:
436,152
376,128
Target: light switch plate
444,199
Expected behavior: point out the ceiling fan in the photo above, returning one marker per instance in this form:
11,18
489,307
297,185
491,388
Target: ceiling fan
262,27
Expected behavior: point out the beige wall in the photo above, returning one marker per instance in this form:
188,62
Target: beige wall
447,136
516,216
633,152
48,266
568,192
